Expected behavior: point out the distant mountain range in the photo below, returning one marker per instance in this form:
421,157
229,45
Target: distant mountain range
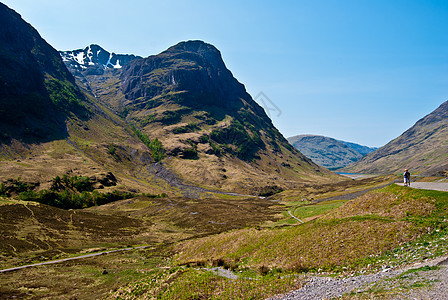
423,148
328,152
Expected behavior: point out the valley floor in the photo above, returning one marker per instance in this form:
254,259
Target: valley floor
180,262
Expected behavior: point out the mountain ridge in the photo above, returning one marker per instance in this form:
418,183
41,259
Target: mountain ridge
37,91
207,122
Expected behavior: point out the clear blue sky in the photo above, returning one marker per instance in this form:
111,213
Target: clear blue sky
358,70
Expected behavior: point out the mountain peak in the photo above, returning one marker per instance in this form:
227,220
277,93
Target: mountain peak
192,67
196,46
94,58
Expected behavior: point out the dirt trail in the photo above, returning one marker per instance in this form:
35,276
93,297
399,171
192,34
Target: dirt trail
71,258
295,217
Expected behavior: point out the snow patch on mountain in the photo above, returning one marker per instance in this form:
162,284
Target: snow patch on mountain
94,56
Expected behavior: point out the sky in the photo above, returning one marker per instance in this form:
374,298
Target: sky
356,70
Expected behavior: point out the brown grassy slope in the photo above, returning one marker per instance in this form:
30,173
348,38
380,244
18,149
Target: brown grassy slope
286,170
423,148
369,225
284,166
30,230
85,152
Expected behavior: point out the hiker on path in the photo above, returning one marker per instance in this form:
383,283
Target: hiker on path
407,178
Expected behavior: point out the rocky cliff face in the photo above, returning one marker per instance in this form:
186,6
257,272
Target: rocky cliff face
36,89
194,68
422,148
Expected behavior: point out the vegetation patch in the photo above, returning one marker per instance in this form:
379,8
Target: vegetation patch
270,190
308,211
187,128
66,192
190,283
70,200
190,153
245,144
65,96
156,147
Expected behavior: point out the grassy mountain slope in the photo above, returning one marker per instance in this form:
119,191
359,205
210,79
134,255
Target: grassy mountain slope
325,151
363,150
212,131
423,148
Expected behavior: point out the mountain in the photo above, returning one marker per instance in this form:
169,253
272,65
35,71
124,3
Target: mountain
213,133
423,148
37,92
328,152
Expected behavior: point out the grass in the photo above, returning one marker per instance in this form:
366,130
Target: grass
416,270
308,211
366,227
80,279
189,283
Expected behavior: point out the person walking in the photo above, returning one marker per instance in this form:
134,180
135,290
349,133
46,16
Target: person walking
407,178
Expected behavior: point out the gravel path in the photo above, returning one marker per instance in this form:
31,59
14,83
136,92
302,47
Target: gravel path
317,287
438,186
350,196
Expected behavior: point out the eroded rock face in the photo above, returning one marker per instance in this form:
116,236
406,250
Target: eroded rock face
195,68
